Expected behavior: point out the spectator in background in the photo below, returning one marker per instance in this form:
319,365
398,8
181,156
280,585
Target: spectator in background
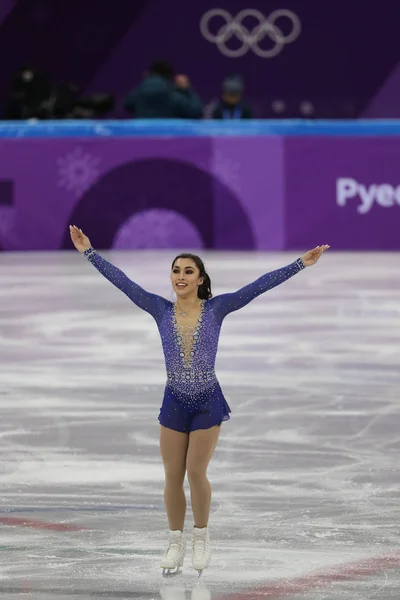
231,105
34,95
30,90
164,95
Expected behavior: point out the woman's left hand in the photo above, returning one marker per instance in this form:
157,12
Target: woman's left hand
311,257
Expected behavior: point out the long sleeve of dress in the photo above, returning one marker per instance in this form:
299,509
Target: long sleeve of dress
151,303
226,303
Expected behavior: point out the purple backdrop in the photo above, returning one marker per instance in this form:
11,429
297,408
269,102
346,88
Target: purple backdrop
142,193
345,191
265,193
103,46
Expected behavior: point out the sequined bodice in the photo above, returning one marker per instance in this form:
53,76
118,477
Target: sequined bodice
187,335
190,352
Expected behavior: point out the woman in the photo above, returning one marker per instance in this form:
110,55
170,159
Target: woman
193,407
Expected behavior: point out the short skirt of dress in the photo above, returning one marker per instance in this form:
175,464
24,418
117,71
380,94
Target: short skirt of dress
188,412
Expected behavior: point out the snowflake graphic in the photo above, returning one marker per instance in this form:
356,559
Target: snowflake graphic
77,171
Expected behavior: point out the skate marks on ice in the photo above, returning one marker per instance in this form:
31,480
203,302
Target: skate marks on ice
305,476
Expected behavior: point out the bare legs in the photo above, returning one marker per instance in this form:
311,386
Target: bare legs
193,452
173,447
202,444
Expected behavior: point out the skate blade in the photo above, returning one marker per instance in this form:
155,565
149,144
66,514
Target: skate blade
171,572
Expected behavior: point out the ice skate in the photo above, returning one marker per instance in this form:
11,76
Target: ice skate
174,556
201,549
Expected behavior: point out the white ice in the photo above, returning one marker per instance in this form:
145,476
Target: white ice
306,474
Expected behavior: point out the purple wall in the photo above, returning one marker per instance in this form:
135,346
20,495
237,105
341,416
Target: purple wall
139,193
346,191
341,58
247,193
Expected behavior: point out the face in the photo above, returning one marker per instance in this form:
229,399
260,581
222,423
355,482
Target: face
185,277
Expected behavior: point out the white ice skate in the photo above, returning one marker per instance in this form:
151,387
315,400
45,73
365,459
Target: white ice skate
174,556
201,549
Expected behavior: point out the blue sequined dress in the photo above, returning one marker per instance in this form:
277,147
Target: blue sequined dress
193,398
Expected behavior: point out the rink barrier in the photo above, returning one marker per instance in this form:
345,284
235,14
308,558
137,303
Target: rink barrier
197,128
253,186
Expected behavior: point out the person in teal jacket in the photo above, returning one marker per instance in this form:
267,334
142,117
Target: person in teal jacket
164,95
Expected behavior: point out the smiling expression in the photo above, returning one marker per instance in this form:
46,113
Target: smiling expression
185,277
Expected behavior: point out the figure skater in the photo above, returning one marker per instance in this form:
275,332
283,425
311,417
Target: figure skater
194,406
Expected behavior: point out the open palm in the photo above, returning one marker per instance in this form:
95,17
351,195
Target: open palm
312,256
79,239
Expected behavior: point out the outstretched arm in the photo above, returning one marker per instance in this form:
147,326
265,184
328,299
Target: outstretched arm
226,303
151,303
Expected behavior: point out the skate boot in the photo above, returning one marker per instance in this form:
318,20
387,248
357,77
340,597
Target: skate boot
173,558
201,549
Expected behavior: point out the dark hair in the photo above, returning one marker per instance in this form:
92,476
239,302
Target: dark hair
204,290
163,68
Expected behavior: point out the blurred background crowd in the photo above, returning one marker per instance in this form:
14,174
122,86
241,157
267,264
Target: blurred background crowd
162,94
66,59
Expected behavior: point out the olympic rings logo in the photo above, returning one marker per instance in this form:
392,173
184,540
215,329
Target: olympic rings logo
250,39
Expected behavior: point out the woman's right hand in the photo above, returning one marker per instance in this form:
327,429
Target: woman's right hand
79,239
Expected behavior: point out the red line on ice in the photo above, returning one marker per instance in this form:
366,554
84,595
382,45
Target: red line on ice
21,522
306,583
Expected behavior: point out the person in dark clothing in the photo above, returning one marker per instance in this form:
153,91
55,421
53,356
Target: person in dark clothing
164,95
231,105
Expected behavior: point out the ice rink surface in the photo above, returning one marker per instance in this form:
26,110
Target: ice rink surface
306,474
